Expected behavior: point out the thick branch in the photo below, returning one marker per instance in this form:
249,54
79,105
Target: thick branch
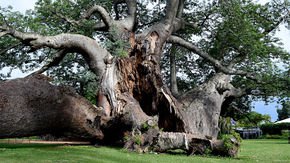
171,11
132,8
101,26
180,9
103,13
173,81
122,25
91,51
215,62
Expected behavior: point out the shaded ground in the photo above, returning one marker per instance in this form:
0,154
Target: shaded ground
252,151
29,141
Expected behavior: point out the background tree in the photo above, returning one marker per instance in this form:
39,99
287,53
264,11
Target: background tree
253,119
284,112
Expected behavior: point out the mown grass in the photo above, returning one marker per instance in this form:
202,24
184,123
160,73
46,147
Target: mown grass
252,151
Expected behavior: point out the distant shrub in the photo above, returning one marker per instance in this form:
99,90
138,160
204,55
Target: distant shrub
274,129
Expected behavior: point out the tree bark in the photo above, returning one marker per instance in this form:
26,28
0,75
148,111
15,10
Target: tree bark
32,106
173,80
133,86
193,144
201,107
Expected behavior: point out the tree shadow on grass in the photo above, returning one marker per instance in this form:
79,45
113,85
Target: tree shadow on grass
15,146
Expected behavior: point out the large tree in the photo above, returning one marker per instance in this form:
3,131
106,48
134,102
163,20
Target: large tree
217,42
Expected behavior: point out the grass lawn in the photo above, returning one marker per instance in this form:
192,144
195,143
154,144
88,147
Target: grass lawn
252,151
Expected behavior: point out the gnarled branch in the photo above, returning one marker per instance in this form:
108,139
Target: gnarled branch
103,13
125,24
89,48
181,42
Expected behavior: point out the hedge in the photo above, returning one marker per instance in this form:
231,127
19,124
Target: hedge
274,129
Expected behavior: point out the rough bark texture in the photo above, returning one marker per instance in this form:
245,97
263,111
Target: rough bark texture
173,79
194,144
202,106
132,94
135,92
32,106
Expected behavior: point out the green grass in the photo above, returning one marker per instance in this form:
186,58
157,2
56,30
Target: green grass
252,151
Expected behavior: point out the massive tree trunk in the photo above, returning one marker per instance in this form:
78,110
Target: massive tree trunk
131,95
32,106
135,95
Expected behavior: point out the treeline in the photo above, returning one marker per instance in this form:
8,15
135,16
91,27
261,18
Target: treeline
274,129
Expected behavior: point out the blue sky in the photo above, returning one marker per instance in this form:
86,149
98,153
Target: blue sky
270,109
259,106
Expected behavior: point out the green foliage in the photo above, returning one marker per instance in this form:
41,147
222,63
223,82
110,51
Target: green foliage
234,31
208,151
252,119
274,129
145,127
89,86
237,136
115,45
284,112
249,25
117,48
228,140
138,139
225,125
54,15
135,137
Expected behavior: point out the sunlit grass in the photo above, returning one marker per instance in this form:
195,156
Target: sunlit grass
252,151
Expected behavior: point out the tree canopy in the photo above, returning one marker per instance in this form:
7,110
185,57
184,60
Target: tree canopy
236,37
